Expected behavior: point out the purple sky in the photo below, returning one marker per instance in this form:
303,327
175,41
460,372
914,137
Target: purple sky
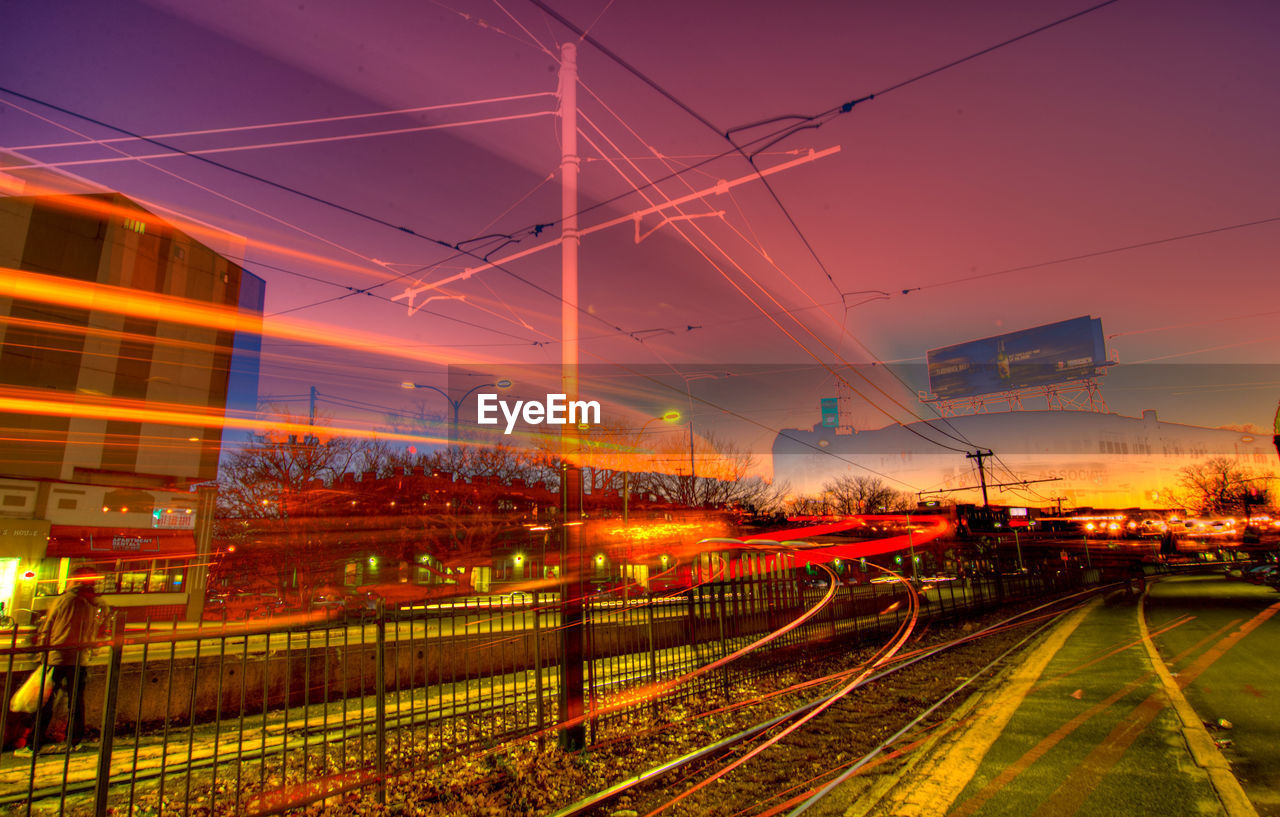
1138,122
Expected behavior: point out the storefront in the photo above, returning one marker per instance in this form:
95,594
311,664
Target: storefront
143,571
22,544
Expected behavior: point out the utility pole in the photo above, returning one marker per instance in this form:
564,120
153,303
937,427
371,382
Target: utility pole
693,474
311,438
1059,500
573,558
982,474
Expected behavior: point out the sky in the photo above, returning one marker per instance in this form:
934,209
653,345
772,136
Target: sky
1120,164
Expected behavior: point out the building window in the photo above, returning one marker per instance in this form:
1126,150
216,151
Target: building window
135,575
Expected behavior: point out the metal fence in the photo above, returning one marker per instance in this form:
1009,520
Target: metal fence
255,719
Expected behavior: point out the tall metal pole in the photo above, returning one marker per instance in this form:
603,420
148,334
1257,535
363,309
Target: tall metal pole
693,474
573,558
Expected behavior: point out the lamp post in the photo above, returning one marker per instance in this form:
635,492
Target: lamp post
456,404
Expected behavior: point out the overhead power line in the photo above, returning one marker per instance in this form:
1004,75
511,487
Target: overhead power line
285,124
803,123
314,140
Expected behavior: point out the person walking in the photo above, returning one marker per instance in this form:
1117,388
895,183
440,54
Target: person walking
68,632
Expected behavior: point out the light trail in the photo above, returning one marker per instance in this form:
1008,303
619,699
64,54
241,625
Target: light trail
94,204
51,404
594,800
31,286
891,649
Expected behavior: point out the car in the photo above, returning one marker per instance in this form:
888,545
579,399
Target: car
363,604
242,606
329,604
1260,574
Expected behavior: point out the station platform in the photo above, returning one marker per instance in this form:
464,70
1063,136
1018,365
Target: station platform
1159,705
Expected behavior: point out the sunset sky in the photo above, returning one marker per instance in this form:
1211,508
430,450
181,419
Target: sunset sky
1121,164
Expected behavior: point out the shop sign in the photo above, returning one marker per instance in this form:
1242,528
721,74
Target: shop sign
173,518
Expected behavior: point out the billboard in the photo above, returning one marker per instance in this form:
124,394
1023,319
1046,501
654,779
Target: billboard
1053,353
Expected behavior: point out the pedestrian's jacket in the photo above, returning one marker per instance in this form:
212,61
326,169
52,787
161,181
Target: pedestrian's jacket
71,625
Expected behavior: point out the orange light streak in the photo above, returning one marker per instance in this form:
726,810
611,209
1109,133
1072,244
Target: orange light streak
94,204
31,286
52,404
108,334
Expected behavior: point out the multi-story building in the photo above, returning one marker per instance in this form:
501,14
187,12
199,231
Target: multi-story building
110,410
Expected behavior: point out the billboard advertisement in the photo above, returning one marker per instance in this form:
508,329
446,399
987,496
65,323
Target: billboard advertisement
1053,353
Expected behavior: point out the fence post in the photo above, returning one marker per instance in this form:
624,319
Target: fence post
650,602
724,648
108,733
589,641
831,607
537,668
380,701
693,624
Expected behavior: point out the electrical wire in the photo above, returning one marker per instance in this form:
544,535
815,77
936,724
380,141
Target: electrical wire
844,109
806,122
1096,254
314,140
283,124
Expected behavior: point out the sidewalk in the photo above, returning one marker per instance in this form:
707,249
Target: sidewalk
1083,726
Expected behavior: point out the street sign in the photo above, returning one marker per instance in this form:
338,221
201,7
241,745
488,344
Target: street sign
830,413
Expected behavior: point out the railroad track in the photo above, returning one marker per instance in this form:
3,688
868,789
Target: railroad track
792,763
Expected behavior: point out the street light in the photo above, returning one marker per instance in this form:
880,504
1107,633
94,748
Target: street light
456,404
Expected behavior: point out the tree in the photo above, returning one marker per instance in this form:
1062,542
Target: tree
723,476
267,493
851,494
1219,486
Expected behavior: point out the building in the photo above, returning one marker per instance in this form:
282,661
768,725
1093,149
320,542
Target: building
92,472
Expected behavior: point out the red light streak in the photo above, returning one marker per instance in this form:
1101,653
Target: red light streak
301,794
904,633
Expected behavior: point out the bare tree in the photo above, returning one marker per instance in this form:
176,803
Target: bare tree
1219,486
717,474
267,492
850,494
